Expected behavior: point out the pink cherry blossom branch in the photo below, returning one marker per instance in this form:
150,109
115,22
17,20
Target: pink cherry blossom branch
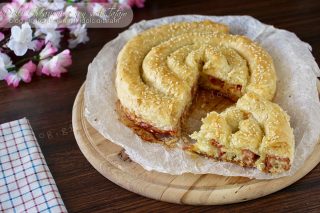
38,46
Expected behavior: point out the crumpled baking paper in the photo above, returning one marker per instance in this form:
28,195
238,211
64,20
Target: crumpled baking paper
296,93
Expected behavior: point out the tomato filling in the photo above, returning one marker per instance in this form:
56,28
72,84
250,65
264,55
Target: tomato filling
274,162
219,148
249,158
222,84
157,133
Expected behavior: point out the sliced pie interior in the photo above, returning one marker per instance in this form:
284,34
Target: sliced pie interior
253,133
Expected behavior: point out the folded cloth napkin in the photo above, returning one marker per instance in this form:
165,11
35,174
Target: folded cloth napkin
26,184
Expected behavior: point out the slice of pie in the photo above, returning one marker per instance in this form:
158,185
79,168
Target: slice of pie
254,133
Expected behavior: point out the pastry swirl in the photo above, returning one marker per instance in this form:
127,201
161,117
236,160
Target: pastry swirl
158,73
159,69
254,133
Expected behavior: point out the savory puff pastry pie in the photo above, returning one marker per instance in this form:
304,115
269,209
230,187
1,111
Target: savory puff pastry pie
158,72
254,133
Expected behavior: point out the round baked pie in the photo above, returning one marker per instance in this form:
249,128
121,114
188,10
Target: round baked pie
160,70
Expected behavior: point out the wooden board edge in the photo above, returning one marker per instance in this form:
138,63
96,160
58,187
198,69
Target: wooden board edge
218,196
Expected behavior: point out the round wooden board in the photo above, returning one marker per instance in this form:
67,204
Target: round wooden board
110,160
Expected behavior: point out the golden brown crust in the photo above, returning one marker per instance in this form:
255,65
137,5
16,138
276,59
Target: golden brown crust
171,59
140,97
144,130
254,133
279,138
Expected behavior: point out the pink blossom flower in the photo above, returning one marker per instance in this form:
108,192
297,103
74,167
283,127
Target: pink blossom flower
17,9
3,18
80,35
72,12
5,63
137,3
28,9
98,9
13,79
26,71
132,3
49,30
39,43
54,5
19,1
1,36
21,39
25,74
56,65
49,50
11,10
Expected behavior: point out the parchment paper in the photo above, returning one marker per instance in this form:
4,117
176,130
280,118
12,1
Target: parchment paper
296,93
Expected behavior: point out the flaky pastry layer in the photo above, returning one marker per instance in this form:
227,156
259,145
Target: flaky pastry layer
253,133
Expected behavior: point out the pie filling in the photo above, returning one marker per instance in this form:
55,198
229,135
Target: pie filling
152,134
243,157
146,131
232,91
275,164
157,133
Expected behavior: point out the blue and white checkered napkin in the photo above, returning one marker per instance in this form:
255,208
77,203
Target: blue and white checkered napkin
26,184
